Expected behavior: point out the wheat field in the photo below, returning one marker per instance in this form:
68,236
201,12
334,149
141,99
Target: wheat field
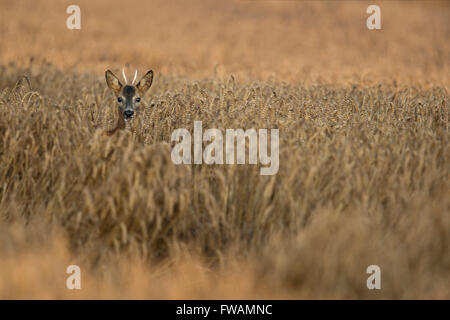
364,171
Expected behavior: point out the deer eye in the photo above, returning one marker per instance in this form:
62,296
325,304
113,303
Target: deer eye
119,99
138,99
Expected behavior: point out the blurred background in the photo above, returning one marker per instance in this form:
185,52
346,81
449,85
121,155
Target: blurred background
298,41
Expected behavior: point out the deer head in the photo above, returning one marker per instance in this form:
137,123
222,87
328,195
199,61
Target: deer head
128,96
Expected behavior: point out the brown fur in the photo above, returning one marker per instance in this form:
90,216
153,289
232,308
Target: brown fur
120,125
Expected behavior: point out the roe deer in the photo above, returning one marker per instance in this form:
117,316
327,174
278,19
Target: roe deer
128,96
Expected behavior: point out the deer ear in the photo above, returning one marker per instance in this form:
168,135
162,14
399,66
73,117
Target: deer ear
146,82
113,82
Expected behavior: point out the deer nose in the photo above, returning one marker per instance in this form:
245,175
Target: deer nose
128,113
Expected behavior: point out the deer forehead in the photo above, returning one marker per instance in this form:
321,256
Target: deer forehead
129,91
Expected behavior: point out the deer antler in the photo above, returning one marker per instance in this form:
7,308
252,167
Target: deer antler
123,74
135,75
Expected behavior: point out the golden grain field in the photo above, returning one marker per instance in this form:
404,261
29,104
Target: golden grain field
364,168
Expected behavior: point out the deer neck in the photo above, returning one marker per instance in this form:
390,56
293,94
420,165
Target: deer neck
121,125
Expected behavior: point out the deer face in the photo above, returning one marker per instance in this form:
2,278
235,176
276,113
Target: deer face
129,96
